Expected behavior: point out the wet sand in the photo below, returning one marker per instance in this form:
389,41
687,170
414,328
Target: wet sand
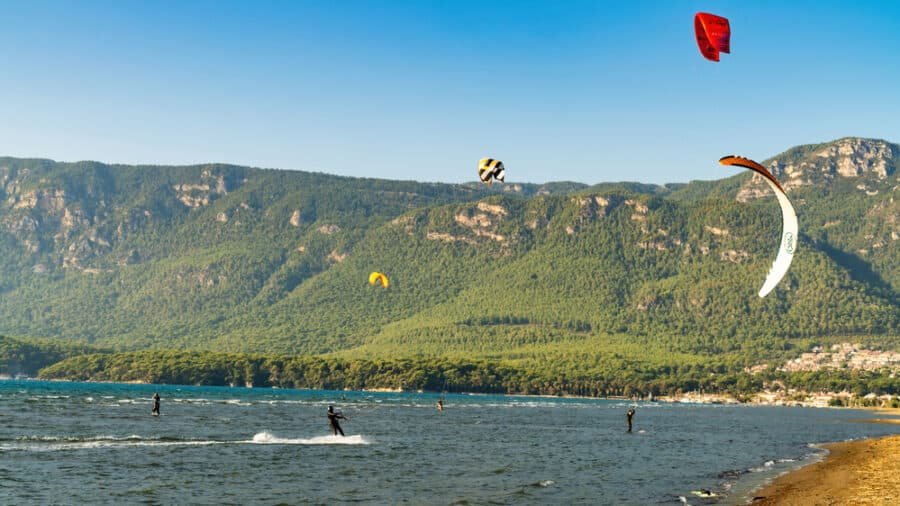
857,472
894,413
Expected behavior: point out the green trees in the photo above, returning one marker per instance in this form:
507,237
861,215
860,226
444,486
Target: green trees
21,356
610,377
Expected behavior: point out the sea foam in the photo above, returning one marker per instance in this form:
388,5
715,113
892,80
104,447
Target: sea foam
268,438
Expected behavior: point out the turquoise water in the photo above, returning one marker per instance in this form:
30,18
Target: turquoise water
97,443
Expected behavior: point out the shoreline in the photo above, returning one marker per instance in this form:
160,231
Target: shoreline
756,399
865,471
859,471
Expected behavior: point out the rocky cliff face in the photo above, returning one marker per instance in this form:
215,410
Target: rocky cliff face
92,217
42,216
201,193
871,164
860,177
69,220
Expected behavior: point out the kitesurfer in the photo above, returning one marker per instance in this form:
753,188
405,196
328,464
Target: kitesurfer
440,405
333,418
629,415
155,411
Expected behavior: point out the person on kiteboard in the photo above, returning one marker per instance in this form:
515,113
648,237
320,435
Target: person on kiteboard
629,415
155,411
333,418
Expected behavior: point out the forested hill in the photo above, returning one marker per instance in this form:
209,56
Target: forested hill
228,258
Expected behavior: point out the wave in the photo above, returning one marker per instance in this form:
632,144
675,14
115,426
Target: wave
44,398
268,438
59,443
816,455
195,400
180,400
70,439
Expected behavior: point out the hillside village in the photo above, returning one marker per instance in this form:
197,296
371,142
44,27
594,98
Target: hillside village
844,355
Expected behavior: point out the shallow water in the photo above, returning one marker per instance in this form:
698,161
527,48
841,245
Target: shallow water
97,443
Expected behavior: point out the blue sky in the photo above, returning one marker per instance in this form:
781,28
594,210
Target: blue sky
559,90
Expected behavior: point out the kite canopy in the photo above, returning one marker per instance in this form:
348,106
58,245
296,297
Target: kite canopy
713,35
490,169
377,277
789,234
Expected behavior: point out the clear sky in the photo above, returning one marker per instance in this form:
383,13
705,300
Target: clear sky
588,91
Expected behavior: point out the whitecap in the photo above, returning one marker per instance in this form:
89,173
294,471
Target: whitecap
198,400
57,443
269,438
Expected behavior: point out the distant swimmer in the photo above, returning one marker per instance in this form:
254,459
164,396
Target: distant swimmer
333,418
629,415
155,411
440,405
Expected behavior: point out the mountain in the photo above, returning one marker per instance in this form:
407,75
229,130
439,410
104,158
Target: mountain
227,258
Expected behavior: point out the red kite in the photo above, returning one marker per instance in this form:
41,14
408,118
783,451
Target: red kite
713,35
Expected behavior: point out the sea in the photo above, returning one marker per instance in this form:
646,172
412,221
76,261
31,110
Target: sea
97,443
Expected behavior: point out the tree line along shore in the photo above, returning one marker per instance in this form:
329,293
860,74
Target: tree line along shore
692,383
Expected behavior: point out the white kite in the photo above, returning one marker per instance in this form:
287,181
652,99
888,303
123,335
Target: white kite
789,233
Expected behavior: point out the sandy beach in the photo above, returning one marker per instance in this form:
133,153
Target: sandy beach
856,472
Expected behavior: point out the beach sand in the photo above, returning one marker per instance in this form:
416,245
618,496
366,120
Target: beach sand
855,472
